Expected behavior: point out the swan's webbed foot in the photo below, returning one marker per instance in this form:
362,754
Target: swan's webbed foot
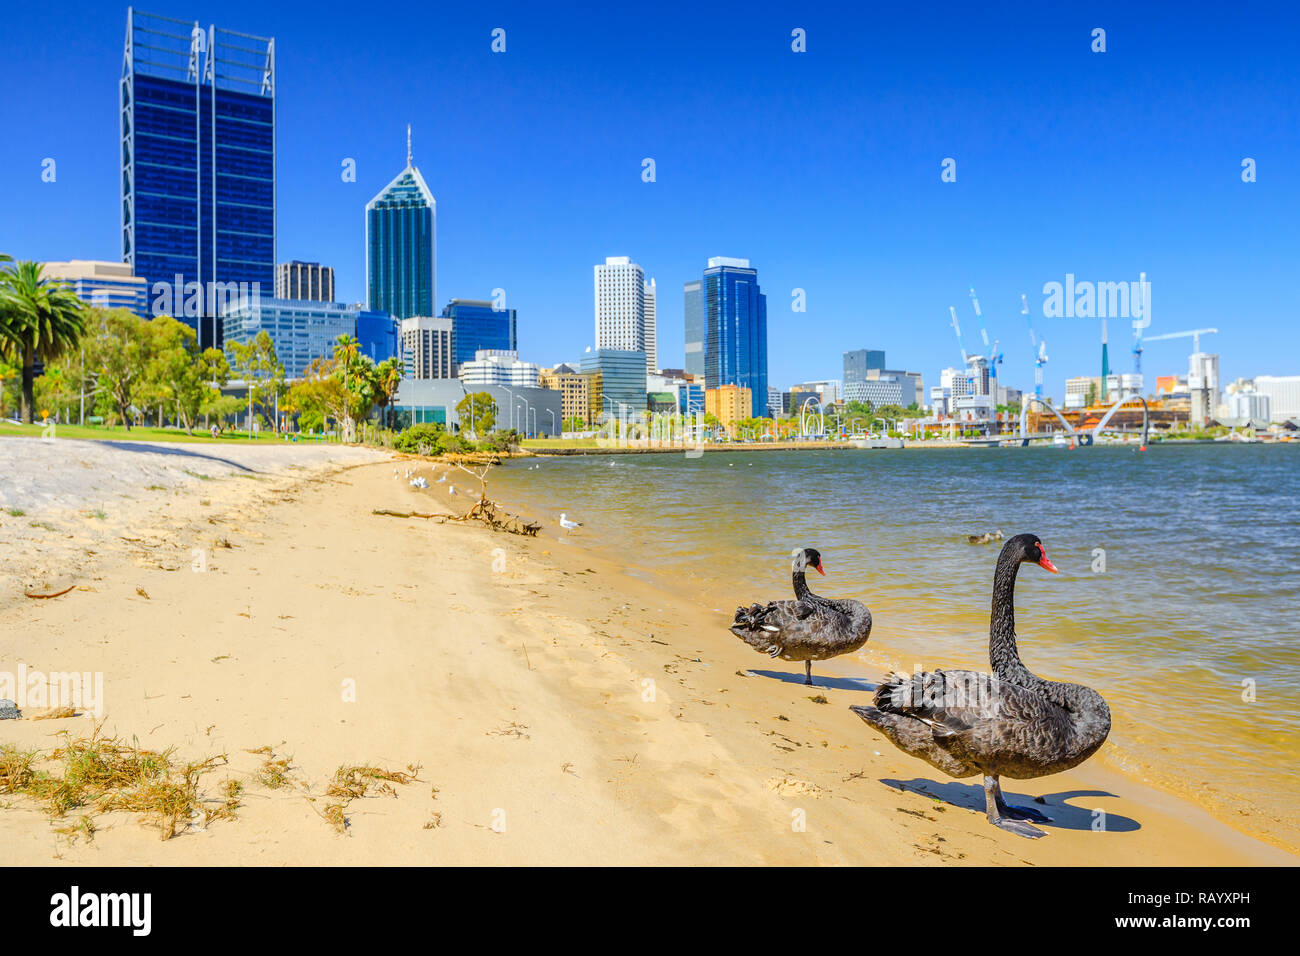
1018,827
1009,818
807,670
1023,813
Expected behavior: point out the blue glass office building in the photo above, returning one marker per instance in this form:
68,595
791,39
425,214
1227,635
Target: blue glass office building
735,329
377,333
401,246
197,127
622,381
475,325
693,314
301,330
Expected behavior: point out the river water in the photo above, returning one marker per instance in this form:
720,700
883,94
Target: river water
1177,596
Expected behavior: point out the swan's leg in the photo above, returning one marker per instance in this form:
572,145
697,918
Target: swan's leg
992,797
807,670
1015,812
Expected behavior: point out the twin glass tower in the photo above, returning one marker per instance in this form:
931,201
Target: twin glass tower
197,130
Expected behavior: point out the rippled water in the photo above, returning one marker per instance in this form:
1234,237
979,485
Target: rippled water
1197,603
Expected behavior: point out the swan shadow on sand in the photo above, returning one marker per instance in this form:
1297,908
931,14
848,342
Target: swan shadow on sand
160,449
834,683
1065,815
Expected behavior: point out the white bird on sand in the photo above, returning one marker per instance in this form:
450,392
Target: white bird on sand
442,479
568,525
419,483
451,489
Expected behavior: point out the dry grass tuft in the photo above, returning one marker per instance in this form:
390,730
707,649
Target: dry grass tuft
353,782
274,772
103,773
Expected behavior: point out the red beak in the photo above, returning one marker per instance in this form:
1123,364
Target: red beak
1045,562
821,571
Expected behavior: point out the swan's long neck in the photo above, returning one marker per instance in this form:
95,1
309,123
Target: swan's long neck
801,590
1004,656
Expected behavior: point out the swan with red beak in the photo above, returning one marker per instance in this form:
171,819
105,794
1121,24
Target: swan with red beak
809,628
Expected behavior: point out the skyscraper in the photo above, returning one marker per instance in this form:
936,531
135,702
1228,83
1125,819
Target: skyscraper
428,345
479,324
694,315
401,245
621,293
735,329
651,327
304,281
858,361
197,129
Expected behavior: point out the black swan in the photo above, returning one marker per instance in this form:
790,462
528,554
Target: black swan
1011,723
809,628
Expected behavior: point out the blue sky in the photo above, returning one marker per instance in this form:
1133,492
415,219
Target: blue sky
822,168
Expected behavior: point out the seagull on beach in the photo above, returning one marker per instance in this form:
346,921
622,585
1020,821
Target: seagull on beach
568,525
419,483
451,489
442,479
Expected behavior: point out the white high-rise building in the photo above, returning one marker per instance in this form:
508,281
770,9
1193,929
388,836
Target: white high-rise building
1283,392
428,346
621,312
1203,383
651,327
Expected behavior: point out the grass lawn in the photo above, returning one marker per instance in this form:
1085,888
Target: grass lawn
146,433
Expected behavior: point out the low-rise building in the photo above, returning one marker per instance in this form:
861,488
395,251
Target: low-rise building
574,389
730,404
106,285
499,367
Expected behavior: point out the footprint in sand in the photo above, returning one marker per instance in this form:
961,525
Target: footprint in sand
792,786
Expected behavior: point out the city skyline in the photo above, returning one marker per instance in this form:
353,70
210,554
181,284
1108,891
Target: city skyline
1103,176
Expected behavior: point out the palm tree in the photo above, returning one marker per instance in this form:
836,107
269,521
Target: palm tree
389,375
39,321
346,352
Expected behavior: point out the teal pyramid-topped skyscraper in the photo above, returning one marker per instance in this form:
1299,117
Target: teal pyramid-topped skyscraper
401,245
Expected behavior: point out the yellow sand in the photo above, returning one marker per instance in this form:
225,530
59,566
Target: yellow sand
562,712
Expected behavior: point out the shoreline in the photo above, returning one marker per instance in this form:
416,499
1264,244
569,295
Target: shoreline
514,672
1107,767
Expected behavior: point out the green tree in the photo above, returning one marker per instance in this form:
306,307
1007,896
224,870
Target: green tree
347,351
388,377
361,387
479,411
256,363
318,396
178,369
118,353
214,371
39,321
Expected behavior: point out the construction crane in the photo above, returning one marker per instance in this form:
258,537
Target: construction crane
994,357
1139,325
1039,346
1195,335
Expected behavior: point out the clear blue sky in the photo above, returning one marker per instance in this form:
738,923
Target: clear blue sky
822,168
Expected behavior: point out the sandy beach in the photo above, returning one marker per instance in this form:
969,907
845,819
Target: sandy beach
559,710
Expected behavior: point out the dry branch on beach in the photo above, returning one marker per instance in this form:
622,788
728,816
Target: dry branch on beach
485,510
